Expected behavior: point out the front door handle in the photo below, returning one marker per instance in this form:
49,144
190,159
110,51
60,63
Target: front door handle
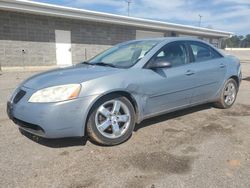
189,72
222,65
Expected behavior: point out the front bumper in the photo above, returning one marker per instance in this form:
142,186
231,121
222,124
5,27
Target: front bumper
50,120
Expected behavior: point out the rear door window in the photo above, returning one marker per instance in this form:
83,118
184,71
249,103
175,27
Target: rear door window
202,52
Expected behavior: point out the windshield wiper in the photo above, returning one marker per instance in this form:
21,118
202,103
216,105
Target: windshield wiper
86,62
104,64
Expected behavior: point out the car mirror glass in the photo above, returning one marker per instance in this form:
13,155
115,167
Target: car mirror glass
159,64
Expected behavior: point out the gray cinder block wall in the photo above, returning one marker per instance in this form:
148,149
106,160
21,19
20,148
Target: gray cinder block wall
27,39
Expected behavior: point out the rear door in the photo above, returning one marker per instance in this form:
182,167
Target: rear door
210,69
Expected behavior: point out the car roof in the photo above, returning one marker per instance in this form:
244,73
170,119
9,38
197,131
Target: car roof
173,39
165,40
170,39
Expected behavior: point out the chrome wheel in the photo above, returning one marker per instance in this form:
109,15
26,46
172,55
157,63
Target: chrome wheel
112,119
230,93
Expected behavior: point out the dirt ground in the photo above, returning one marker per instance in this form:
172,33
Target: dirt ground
197,147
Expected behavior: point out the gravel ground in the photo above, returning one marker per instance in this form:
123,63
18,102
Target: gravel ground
197,147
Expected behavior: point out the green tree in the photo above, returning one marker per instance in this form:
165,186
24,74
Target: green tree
237,41
233,42
246,42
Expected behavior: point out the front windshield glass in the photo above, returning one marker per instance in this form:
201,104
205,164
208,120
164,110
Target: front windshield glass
124,55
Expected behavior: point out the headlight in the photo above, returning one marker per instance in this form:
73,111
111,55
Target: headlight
56,93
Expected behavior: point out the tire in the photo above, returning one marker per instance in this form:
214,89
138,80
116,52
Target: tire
228,94
111,121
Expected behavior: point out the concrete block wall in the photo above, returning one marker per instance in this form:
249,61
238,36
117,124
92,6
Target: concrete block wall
28,40
26,53
83,52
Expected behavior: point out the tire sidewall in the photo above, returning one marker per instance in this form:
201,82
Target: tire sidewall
94,133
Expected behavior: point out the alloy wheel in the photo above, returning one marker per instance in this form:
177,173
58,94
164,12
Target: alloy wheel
230,93
112,119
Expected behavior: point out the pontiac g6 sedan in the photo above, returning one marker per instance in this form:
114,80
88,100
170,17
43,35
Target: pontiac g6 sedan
106,96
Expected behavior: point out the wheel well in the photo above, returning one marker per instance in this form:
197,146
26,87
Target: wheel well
236,79
129,97
114,94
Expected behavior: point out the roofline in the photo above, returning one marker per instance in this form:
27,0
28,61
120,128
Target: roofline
82,14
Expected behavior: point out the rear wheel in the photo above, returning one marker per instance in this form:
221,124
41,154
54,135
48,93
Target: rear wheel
228,94
111,121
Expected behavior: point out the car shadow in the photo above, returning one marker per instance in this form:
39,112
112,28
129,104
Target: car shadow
81,141
247,78
171,115
56,143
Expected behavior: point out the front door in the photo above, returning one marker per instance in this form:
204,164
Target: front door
63,48
169,88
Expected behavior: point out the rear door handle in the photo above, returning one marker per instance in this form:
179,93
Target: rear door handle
190,72
222,65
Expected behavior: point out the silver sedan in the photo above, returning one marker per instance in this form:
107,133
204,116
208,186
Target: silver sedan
106,96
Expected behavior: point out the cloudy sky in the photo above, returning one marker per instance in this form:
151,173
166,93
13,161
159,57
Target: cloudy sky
228,15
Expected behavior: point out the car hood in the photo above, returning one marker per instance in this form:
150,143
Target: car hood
74,74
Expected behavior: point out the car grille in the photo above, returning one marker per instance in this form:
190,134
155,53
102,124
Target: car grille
19,96
27,125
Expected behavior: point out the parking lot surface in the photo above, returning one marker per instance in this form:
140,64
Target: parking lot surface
197,147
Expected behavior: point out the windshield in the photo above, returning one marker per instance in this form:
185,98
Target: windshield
124,55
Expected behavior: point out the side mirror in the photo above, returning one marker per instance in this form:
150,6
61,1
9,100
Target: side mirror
159,64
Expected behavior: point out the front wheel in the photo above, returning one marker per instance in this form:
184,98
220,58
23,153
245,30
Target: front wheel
228,94
111,121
